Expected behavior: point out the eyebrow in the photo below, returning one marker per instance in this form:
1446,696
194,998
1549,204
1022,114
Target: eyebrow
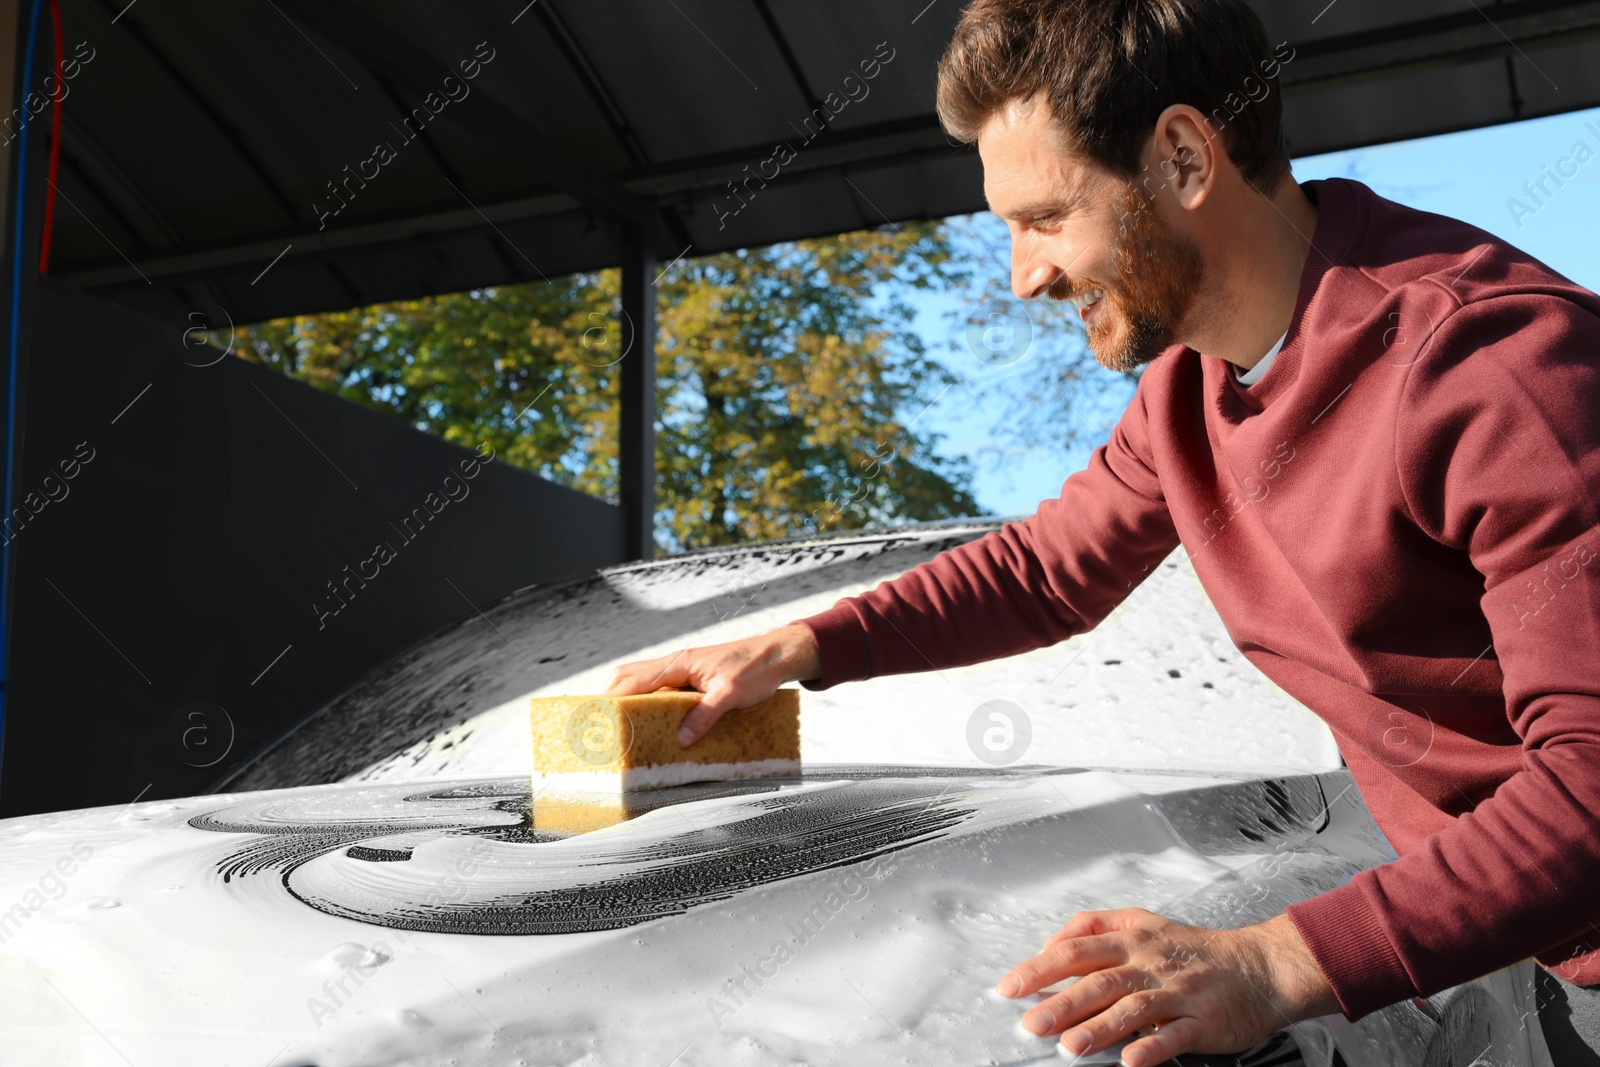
1064,200
1037,207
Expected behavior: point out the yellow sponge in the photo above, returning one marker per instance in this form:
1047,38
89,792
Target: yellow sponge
616,745
580,812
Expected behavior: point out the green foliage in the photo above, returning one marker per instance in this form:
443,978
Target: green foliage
789,382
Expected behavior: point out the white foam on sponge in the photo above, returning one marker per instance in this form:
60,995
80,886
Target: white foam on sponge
660,775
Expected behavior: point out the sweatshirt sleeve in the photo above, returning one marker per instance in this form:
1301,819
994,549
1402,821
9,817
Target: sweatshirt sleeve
1027,585
1497,445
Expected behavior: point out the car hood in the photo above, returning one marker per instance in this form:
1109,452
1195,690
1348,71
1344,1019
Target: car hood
850,914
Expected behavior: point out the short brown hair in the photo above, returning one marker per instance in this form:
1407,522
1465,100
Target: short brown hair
1108,68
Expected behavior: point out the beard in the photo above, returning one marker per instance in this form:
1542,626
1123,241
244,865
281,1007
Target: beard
1158,273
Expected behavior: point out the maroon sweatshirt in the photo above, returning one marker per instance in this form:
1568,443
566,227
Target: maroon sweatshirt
1397,525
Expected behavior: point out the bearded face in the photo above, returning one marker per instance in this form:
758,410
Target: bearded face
1158,272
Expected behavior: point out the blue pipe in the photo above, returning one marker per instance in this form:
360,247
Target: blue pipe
18,243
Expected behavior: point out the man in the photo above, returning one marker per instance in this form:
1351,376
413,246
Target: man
1376,432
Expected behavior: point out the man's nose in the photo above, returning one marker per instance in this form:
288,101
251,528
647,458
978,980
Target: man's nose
1032,273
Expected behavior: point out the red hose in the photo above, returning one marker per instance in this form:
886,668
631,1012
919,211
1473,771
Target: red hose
55,146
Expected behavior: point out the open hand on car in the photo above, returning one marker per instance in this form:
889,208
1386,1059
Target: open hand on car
1172,987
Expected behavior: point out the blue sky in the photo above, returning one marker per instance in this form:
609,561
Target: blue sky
1470,176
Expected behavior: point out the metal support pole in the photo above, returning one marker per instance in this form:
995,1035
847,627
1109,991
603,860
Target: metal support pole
638,429
21,68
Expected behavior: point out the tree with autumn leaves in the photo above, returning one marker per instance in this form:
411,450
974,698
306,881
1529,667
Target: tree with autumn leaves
790,382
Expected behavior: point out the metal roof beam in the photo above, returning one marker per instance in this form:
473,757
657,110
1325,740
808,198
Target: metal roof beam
903,140
225,126
1445,41
593,85
391,55
316,245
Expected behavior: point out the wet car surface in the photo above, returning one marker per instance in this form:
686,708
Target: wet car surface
385,885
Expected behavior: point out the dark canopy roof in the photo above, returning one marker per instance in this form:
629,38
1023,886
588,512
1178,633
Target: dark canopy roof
202,142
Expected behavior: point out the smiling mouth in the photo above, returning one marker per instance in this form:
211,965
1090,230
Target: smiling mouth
1087,303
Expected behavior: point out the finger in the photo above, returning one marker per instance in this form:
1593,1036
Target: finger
1078,956
1173,1038
625,679
1085,998
1100,922
1080,924
1132,1012
646,676
716,702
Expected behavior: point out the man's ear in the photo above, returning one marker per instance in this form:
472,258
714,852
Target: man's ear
1185,151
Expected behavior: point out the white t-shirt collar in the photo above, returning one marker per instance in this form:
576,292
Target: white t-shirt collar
1253,375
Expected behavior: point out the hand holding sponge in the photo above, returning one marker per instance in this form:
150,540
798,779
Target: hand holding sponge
614,745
